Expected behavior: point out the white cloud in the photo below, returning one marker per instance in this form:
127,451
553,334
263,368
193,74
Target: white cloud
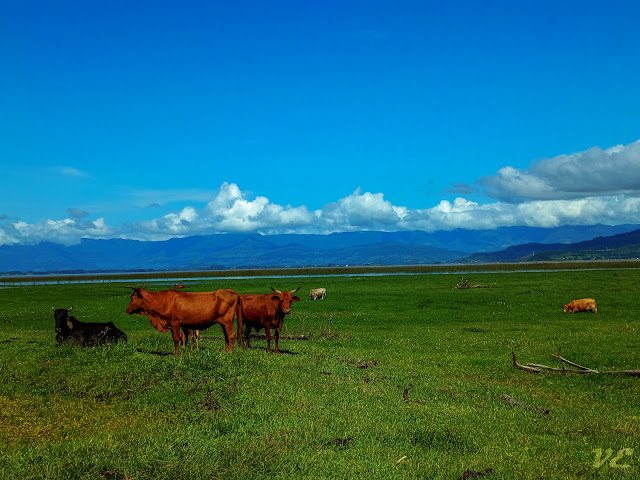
358,211
66,232
231,210
594,172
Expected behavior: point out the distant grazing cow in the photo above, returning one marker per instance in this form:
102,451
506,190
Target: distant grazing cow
583,305
175,285
316,293
68,329
266,311
173,310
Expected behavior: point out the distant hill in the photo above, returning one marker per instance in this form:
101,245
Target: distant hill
227,251
624,245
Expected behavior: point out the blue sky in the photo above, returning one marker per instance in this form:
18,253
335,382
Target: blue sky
150,120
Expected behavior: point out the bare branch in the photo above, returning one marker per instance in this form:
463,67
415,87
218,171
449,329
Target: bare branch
537,368
589,370
522,367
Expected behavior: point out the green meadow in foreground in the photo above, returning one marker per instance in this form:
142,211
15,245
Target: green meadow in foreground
397,377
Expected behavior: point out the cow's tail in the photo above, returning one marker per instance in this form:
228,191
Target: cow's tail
239,322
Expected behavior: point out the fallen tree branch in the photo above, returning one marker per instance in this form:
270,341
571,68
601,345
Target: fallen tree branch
538,368
564,360
517,366
464,284
512,401
471,474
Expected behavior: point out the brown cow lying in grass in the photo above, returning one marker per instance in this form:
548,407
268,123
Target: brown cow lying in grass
582,305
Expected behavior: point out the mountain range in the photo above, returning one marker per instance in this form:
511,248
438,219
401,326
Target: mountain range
252,250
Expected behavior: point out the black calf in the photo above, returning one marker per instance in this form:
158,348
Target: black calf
87,334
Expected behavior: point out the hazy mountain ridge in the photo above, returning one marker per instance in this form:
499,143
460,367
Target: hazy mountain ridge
623,245
352,248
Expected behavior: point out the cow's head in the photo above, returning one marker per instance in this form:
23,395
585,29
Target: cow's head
566,307
285,299
136,305
63,322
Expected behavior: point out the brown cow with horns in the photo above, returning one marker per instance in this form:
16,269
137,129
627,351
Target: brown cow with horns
173,310
266,311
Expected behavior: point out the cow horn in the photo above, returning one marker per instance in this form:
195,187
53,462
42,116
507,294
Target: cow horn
53,308
69,309
277,291
294,291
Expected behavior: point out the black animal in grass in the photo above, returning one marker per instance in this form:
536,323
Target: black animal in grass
68,329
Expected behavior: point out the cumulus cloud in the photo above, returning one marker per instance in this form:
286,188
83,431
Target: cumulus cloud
230,210
552,197
594,172
361,211
66,232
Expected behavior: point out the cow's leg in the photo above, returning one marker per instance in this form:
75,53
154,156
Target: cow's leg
247,335
229,332
267,331
277,338
175,332
231,335
240,323
197,339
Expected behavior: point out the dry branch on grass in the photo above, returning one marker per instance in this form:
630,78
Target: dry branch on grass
472,474
538,368
465,284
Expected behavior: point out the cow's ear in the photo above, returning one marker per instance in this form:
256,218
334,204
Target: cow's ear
275,297
295,299
69,324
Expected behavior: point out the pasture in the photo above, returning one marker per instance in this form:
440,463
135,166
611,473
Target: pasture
397,377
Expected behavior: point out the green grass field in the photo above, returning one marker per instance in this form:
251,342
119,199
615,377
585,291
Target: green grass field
334,405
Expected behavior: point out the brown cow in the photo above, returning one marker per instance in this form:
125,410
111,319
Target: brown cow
583,305
188,333
266,311
173,310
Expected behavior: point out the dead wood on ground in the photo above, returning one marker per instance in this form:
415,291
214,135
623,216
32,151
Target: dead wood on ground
464,284
579,369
